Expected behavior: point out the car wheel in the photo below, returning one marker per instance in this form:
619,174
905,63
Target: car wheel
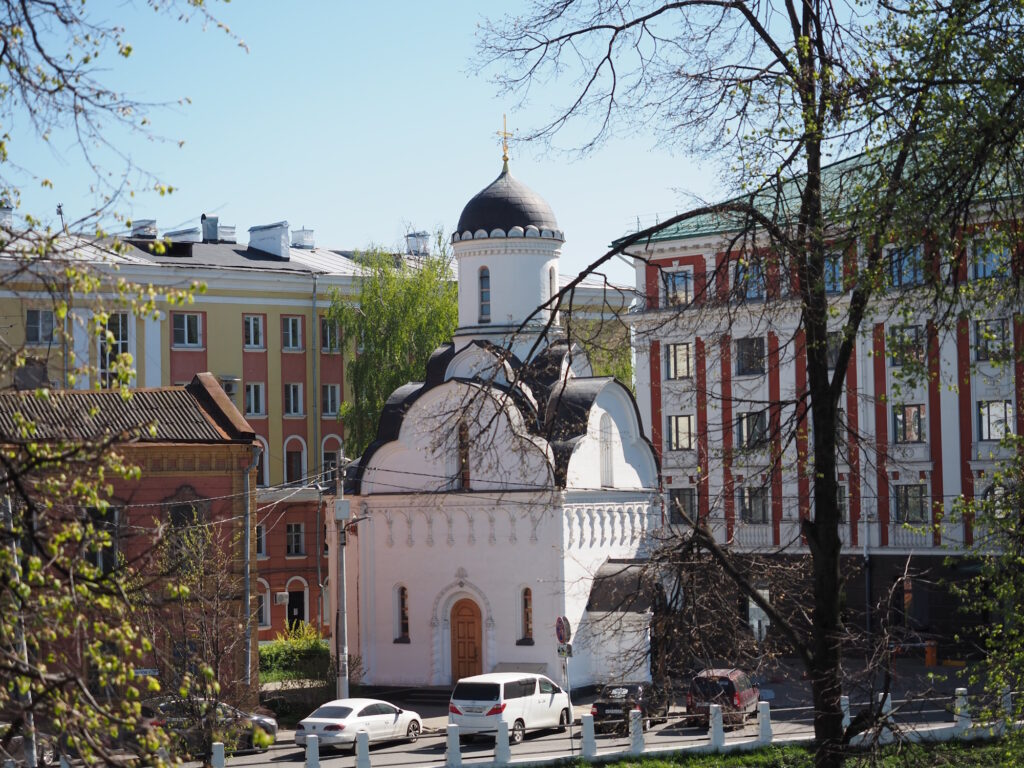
413,731
563,720
518,732
47,755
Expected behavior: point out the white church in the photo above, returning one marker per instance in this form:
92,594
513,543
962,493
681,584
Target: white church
502,484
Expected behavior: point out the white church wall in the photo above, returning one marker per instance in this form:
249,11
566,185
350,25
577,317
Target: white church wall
632,465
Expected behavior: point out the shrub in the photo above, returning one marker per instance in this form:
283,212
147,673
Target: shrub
301,653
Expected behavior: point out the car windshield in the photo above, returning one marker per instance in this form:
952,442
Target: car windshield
333,712
710,687
476,692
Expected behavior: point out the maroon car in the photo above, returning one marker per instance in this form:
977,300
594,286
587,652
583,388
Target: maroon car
731,689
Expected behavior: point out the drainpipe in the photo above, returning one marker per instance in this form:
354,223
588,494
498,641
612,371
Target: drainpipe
247,578
314,402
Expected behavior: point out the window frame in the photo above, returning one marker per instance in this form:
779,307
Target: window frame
295,539
751,430
833,276
994,264
749,280
907,345
676,353
906,266
252,326
525,616
902,503
291,333
335,395
745,357
293,402
673,432
191,333
484,294
121,345
401,614
904,416
749,495
677,286
255,387
330,336
260,541
999,348
986,422
688,504
39,339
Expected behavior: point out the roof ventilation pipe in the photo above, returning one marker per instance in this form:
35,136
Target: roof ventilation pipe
210,233
303,238
272,239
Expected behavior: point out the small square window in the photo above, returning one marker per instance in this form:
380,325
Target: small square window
908,423
751,430
680,433
187,329
992,340
906,267
750,356
753,503
906,344
995,419
749,280
989,260
39,326
678,287
911,504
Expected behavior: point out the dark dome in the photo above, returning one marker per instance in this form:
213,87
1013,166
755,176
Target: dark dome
506,203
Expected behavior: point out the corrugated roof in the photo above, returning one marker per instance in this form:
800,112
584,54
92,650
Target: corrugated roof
166,414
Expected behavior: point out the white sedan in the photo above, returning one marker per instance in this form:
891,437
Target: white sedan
336,723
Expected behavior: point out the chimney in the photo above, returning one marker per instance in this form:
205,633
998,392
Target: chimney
6,216
417,243
144,229
272,239
226,233
190,235
303,238
209,224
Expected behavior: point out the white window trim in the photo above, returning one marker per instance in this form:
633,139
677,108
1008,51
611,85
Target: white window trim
256,538
330,350
294,344
302,541
288,389
262,346
337,399
667,295
263,620
41,342
198,344
262,388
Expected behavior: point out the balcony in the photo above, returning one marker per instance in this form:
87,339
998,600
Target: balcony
911,535
753,535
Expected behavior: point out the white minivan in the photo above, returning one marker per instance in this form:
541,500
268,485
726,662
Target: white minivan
523,700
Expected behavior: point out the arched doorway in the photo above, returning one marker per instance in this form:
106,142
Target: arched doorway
467,643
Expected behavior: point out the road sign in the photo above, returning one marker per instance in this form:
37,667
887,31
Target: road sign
564,650
563,629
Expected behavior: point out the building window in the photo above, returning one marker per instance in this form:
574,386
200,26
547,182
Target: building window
38,326
605,447
751,429
908,422
988,260
682,506
750,356
680,433
291,333
293,468
678,287
906,345
485,295
261,465
329,335
113,344
833,273
906,269
263,608
260,541
255,399
841,503
402,615
992,339
463,456
552,283
329,398
526,617
252,331
188,329
679,359
103,545
295,539
995,419
910,504
293,400
753,503
833,343
749,279
330,466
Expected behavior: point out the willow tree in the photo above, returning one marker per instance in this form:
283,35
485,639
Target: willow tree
405,309
925,96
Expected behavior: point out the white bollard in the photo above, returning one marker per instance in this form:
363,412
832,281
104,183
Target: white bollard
362,749
589,738
715,728
764,723
217,755
312,751
961,717
885,735
502,750
453,755
844,704
636,733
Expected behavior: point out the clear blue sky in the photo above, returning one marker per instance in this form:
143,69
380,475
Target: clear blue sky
359,120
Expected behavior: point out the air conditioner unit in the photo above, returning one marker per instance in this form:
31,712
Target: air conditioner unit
230,384
280,598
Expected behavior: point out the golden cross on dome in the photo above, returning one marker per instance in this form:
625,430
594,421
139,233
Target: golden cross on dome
505,136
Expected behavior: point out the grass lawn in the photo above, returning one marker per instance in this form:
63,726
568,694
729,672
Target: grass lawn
1007,752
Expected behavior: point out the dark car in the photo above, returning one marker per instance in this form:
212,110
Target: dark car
12,747
731,689
612,707
186,720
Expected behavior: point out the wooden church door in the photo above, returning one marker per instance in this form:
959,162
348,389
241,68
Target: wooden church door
466,640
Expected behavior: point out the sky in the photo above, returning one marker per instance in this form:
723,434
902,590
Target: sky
361,121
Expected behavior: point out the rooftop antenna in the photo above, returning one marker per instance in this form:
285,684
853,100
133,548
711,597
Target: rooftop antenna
60,212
